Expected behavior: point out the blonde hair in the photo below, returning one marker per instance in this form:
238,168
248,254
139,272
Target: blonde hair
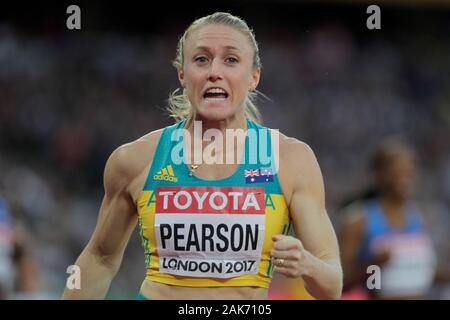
179,106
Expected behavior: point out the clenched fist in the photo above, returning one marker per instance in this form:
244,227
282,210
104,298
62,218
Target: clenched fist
289,256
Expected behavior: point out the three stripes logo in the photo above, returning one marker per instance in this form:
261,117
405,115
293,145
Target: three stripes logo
166,174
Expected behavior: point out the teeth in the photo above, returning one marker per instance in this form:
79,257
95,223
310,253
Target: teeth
215,90
215,99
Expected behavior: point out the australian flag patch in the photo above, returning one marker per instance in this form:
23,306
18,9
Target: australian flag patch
259,175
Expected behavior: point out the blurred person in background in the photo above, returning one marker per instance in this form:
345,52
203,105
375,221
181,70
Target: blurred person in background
18,271
388,228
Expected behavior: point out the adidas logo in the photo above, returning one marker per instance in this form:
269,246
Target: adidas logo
166,174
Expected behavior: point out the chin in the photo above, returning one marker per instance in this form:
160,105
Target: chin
216,115
403,194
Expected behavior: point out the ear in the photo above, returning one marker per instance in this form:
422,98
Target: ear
256,74
181,77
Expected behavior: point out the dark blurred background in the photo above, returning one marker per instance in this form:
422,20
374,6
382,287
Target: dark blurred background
69,98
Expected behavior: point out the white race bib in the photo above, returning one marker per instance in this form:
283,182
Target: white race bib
209,231
411,267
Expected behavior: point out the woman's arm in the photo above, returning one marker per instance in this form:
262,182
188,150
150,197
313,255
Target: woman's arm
100,260
24,261
315,254
351,235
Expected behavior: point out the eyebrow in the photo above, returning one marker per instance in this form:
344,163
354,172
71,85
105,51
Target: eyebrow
226,47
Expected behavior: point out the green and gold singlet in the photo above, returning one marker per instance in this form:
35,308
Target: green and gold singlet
211,233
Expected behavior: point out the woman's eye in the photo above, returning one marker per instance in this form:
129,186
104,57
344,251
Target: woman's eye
200,59
232,60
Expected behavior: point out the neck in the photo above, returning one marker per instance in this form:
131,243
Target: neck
237,121
396,203
214,143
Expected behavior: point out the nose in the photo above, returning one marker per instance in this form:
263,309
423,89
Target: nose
215,72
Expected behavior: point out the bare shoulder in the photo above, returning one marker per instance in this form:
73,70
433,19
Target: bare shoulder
352,215
351,224
426,213
298,166
129,160
295,156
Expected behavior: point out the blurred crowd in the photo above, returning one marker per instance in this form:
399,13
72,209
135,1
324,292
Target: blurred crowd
66,102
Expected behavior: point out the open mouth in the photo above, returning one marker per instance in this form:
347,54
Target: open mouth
215,94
